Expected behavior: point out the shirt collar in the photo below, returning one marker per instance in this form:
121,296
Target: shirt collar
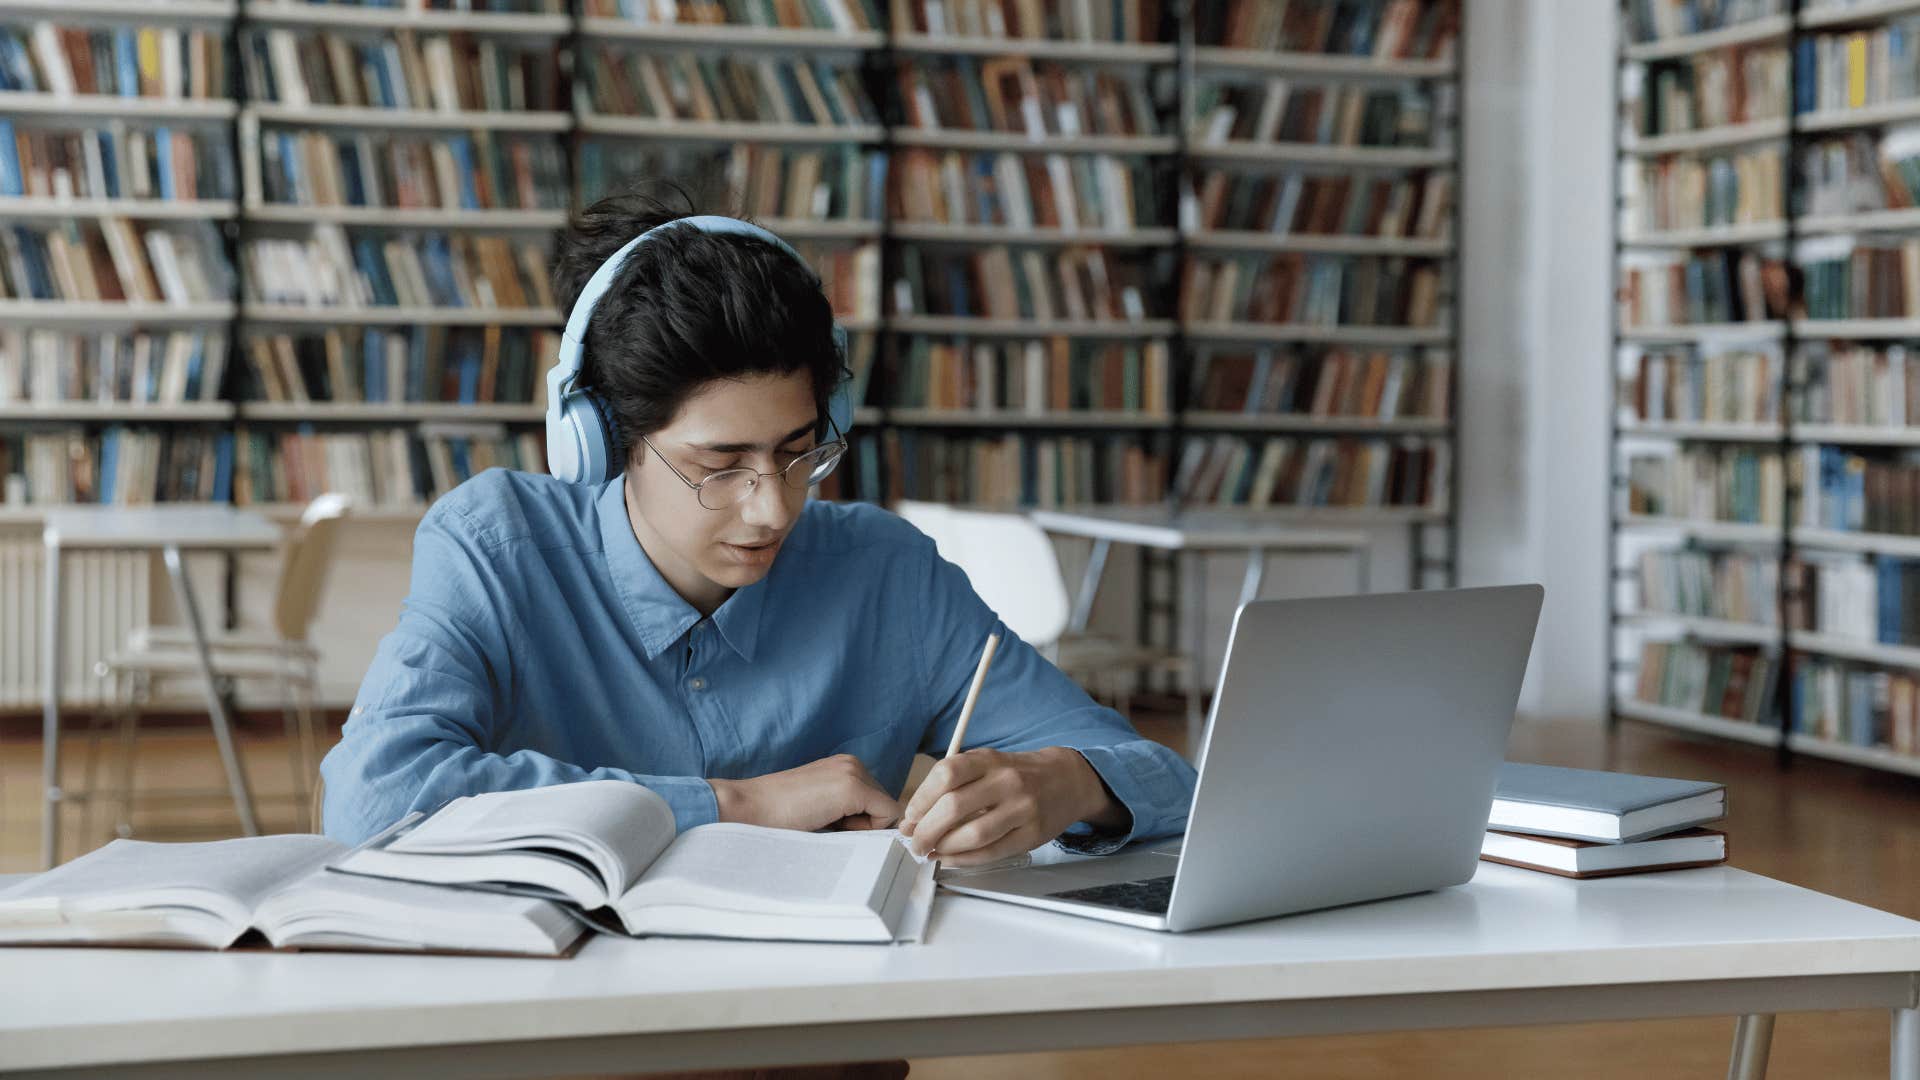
657,613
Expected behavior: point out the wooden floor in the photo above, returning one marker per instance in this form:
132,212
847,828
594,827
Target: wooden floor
1845,831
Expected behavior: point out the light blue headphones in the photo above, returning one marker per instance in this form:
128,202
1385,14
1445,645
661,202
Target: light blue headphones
580,444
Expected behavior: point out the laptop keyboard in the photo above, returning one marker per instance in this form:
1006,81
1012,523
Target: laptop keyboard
1149,895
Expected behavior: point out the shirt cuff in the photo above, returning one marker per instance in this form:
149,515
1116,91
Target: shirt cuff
691,798
1139,778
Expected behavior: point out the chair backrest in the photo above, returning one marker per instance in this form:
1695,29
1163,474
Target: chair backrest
1009,561
303,575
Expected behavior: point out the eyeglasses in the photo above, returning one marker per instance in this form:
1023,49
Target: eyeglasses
730,487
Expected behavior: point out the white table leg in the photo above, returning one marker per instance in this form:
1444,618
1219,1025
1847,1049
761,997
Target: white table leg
53,638
216,708
1906,1045
1752,1044
1196,567
1363,558
1256,573
1089,586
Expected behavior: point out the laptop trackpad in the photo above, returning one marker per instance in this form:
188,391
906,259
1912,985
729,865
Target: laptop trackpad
1047,879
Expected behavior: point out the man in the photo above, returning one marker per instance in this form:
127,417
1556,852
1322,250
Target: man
695,625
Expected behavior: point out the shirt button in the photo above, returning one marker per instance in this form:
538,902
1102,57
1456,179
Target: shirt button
697,683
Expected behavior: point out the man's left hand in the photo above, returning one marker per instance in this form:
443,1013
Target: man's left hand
985,805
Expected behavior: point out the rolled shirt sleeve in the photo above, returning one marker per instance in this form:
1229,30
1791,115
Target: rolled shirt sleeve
1027,703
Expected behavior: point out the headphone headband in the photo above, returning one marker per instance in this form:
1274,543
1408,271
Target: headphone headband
580,447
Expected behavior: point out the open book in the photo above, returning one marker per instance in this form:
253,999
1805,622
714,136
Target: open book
209,895
609,847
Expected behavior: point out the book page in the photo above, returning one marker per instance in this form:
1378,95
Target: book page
748,867
224,877
617,826
323,908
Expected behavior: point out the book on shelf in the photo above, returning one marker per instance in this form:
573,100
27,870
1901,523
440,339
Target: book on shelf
1582,859
1852,69
1856,384
1731,682
1023,191
1382,384
115,161
378,365
403,171
1852,492
119,466
53,366
113,260
392,467
1707,483
1847,596
1703,191
1015,470
1852,705
1057,376
811,90
400,69
1659,20
1732,586
1857,173
1601,807
129,61
1024,96
1296,203
1030,20
1313,473
1079,284
838,183
272,890
1383,29
608,849
1865,277
429,270
1236,109
1660,288
1731,385
845,16
1740,84
1313,290
483,7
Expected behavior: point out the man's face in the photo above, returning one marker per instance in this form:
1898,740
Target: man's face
761,423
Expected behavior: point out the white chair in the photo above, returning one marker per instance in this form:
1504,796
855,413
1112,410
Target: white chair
280,656
1013,566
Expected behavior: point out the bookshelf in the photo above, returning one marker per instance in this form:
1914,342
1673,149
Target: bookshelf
1763,512
1166,156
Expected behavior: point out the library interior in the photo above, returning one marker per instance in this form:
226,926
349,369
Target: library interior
1487,424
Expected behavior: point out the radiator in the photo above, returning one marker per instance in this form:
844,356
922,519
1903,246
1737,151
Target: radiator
105,593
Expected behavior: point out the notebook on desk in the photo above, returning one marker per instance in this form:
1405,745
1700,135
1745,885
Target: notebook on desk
1349,755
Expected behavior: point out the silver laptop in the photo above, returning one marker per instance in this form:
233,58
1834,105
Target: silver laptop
1349,755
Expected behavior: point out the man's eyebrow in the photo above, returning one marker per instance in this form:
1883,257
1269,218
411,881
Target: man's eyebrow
741,448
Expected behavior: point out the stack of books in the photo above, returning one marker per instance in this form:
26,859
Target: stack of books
1580,823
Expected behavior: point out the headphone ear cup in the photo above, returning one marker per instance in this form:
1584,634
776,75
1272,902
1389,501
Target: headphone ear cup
840,404
598,431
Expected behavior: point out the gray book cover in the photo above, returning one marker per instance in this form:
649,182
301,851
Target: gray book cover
1590,789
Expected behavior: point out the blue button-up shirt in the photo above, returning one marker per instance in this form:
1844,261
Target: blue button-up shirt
539,645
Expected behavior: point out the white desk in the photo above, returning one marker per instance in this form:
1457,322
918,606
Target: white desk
1512,947
169,530
1195,534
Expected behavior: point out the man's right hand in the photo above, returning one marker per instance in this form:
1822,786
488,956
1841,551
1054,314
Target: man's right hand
835,792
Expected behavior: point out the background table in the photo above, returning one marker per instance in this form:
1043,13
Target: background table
1194,534
170,530
1512,947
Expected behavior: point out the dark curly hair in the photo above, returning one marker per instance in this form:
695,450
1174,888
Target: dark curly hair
688,307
